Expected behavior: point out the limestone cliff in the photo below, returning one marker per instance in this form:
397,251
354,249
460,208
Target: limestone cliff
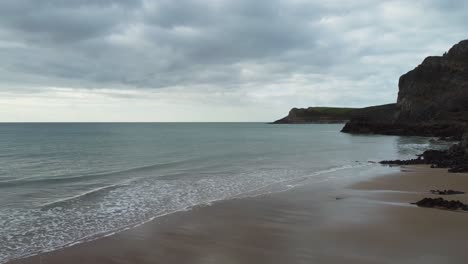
432,100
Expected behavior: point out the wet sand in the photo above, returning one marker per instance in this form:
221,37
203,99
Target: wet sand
367,222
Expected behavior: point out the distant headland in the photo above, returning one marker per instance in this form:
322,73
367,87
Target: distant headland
317,115
432,101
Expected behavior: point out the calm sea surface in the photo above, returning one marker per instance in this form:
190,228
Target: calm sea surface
61,183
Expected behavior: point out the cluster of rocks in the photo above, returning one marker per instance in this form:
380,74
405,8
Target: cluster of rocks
442,204
455,159
446,192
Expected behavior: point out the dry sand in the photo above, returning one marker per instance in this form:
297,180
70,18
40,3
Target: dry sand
368,222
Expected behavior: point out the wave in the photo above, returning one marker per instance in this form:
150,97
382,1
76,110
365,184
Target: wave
175,176
289,182
105,189
32,180
75,198
102,190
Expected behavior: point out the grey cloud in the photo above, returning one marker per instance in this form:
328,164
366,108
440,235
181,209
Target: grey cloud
223,44
64,21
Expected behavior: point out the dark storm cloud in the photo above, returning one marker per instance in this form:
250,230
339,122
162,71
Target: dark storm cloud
223,44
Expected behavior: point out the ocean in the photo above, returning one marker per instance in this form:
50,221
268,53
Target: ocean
61,183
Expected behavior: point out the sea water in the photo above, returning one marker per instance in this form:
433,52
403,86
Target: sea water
65,182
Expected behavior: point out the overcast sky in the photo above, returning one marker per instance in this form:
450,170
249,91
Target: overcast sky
211,60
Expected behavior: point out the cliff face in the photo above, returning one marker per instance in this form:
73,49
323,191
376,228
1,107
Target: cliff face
437,89
432,100
316,115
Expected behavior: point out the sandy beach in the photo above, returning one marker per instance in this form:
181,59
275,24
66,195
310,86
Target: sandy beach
371,221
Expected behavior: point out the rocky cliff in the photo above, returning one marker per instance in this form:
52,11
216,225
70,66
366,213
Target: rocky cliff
317,115
432,100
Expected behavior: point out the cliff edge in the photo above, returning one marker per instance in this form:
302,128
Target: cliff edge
432,100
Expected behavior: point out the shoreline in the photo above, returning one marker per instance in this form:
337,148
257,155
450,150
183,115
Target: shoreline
268,189
292,226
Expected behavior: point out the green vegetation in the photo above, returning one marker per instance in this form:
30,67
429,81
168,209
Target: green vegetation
332,110
317,115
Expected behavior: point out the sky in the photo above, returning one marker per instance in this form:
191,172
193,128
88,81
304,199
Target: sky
211,60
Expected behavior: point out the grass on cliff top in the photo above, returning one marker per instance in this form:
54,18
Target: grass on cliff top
332,110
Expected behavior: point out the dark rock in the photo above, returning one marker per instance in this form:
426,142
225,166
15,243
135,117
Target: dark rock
403,162
446,192
459,169
442,204
464,144
454,158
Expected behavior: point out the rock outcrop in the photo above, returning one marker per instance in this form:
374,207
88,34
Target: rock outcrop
317,115
432,100
454,158
446,192
441,203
